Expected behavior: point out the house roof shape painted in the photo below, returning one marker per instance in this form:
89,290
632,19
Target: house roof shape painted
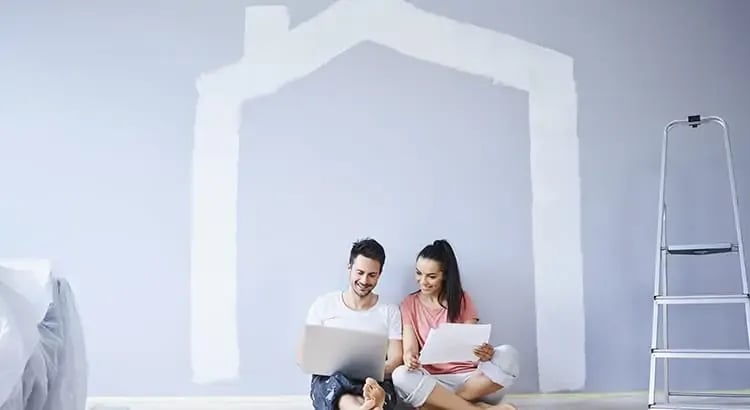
275,56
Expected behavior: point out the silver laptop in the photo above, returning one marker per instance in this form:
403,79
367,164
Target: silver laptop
357,354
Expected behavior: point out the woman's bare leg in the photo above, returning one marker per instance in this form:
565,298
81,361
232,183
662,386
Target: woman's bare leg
498,406
477,386
442,398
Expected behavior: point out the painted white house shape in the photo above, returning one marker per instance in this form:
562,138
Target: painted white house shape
275,56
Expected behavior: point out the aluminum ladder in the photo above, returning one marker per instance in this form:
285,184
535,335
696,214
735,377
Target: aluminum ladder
662,298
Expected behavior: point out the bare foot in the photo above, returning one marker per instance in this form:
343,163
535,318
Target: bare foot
367,405
374,392
503,406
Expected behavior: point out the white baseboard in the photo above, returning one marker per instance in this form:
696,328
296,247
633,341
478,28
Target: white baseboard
303,401
198,403
273,402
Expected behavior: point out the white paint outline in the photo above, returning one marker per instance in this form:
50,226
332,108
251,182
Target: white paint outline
276,56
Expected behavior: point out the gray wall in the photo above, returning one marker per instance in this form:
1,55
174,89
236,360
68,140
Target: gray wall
96,121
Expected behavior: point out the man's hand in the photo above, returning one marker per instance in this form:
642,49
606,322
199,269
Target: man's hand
411,361
484,352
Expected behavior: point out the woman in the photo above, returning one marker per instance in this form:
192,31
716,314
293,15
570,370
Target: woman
441,299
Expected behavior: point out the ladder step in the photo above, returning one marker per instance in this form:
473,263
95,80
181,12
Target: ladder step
709,394
702,353
702,249
701,299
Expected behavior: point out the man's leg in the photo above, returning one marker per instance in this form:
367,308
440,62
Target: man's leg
337,392
420,389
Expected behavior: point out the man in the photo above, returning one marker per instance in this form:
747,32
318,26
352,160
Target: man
359,308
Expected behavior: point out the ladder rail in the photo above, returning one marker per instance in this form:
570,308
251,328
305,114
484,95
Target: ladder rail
660,254
661,212
734,198
736,212
735,201
665,309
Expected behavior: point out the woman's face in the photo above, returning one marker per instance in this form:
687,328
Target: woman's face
429,276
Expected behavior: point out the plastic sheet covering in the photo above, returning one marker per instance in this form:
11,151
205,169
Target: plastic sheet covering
19,338
54,374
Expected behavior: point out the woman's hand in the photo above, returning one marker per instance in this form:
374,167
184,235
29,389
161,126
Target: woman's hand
484,352
411,361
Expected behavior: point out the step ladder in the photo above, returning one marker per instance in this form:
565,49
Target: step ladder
662,299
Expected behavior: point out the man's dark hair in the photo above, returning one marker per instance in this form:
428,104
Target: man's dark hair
369,248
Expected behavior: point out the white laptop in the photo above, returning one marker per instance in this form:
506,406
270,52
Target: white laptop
357,354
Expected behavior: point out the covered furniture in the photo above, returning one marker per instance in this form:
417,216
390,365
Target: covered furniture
42,353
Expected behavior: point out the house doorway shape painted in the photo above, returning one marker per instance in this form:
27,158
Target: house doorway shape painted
275,56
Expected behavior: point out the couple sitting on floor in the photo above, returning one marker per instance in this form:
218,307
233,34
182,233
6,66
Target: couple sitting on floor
440,299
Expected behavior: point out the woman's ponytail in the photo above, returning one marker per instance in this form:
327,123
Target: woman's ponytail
451,290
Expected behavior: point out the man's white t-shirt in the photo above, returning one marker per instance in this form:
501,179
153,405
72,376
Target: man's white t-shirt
330,310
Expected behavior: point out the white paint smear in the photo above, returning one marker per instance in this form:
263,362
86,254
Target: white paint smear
556,219
275,56
213,256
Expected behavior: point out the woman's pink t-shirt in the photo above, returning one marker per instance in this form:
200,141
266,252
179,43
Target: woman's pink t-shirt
422,319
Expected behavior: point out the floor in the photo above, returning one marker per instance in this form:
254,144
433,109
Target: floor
618,402
611,402
637,401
